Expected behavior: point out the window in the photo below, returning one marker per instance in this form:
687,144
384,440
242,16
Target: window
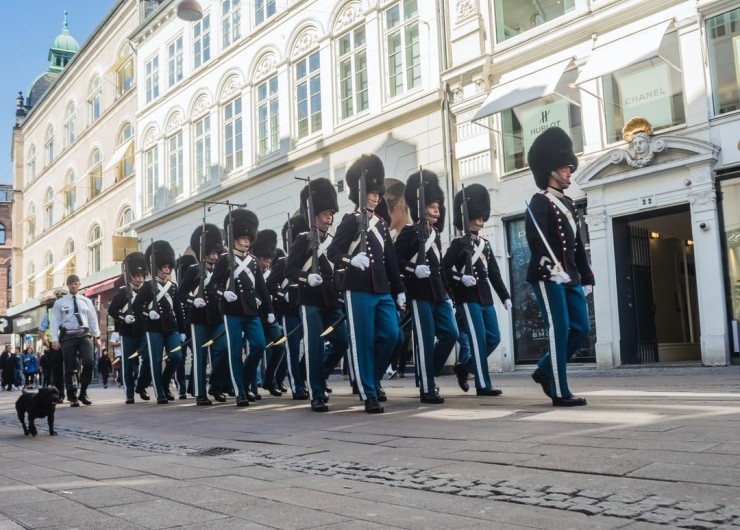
174,62
151,73
267,116
174,165
652,89
31,223
352,72
69,255
125,72
403,48
151,176
125,167
263,9
2,234
202,140
30,274
49,209
49,268
95,174
70,193
230,21
49,145
69,124
94,249
31,165
308,95
202,41
723,35
94,100
514,17
124,222
233,143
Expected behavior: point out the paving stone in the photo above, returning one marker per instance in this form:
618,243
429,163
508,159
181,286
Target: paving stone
585,508
625,498
557,497
656,518
445,489
695,524
558,505
591,494
562,490
712,517
678,514
698,506
628,511
475,492
500,490
531,501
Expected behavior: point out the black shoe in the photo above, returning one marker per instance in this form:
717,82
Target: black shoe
74,403
105,385
488,392
130,401
373,407
242,401
251,397
272,390
300,396
281,386
569,402
183,396
318,405
143,395
203,401
355,390
217,394
257,396
328,389
231,392
162,401
539,377
60,400
84,399
432,399
381,395
169,396
462,377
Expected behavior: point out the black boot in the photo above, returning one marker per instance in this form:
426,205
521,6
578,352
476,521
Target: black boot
83,395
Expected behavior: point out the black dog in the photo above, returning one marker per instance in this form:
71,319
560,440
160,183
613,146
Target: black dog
42,404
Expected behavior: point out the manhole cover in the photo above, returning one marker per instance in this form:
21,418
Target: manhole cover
215,451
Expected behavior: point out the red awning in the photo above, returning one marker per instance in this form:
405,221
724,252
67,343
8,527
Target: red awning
100,287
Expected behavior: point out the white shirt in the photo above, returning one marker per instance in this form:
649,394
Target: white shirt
115,342
63,315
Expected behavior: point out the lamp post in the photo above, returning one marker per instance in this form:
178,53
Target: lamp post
189,10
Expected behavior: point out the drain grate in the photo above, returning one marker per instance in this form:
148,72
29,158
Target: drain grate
215,451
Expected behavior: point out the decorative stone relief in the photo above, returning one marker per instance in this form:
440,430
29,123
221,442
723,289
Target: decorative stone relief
465,8
231,87
266,66
703,198
174,124
480,85
305,42
348,17
595,221
457,94
150,138
201,106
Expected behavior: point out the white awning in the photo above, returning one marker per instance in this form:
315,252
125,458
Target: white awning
119,62
41,273
60,266
523,90
118,154
621,53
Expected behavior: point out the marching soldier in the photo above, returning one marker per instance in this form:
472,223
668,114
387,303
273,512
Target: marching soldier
363,245
419,251
474,276
131,329
165,328
238,283
320,304
201,309
559,271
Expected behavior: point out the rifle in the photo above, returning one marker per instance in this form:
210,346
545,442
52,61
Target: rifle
231,257
422,231
202,258
126,284
362,223
468,243
313,237
289,233
153,282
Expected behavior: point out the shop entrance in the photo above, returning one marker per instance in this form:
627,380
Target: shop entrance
656,285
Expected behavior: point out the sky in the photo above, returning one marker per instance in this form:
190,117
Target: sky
29,27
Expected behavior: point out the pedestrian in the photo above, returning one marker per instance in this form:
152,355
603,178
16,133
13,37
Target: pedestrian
74,330
474,277
114,339
30,366
55,359
559,271
104,366
7,365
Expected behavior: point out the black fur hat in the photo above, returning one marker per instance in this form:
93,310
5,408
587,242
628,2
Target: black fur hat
324,197
213,240
136,263
164,254
245,223
479,204
383,211
184,262
265,245
551,150
298,225
432,191
375,176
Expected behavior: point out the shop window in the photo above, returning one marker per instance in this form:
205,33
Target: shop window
723,44
514,17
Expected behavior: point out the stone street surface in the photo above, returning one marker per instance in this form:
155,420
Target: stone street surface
654,448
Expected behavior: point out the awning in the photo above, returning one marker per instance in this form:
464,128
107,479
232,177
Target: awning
119,62
98,288
60,266
621,53
523,90
118,154
41,273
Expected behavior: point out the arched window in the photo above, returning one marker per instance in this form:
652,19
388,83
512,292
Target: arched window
70,258
352,62
307,85
95,174
31,280
125,150
70,130
175,156
48,209
49,145
49,268
125,70
124,222
70,193
31,165
94,249
2,234
31,223
94,98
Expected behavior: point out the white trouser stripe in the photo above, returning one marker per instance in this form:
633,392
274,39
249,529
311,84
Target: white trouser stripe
290,364
151,363
474,343
553,344
353,348
196,361
228,349
420,347
306,332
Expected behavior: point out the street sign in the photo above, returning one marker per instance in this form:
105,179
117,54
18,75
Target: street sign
6,325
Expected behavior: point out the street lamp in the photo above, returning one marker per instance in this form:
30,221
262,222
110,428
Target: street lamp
189,10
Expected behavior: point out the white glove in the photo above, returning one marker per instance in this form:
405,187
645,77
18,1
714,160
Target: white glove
507,304
468,280
559,276
587,289
286,296
270,318
183,337
315,279
199,302
401,299
153,315
423,271
230,296
361,261
129,319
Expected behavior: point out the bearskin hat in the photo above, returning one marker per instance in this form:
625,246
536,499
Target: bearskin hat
184,262
375,176
324,197
551,150
164,254
432,191
265,245
136,263
213,240
245,223
298,225
479,204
